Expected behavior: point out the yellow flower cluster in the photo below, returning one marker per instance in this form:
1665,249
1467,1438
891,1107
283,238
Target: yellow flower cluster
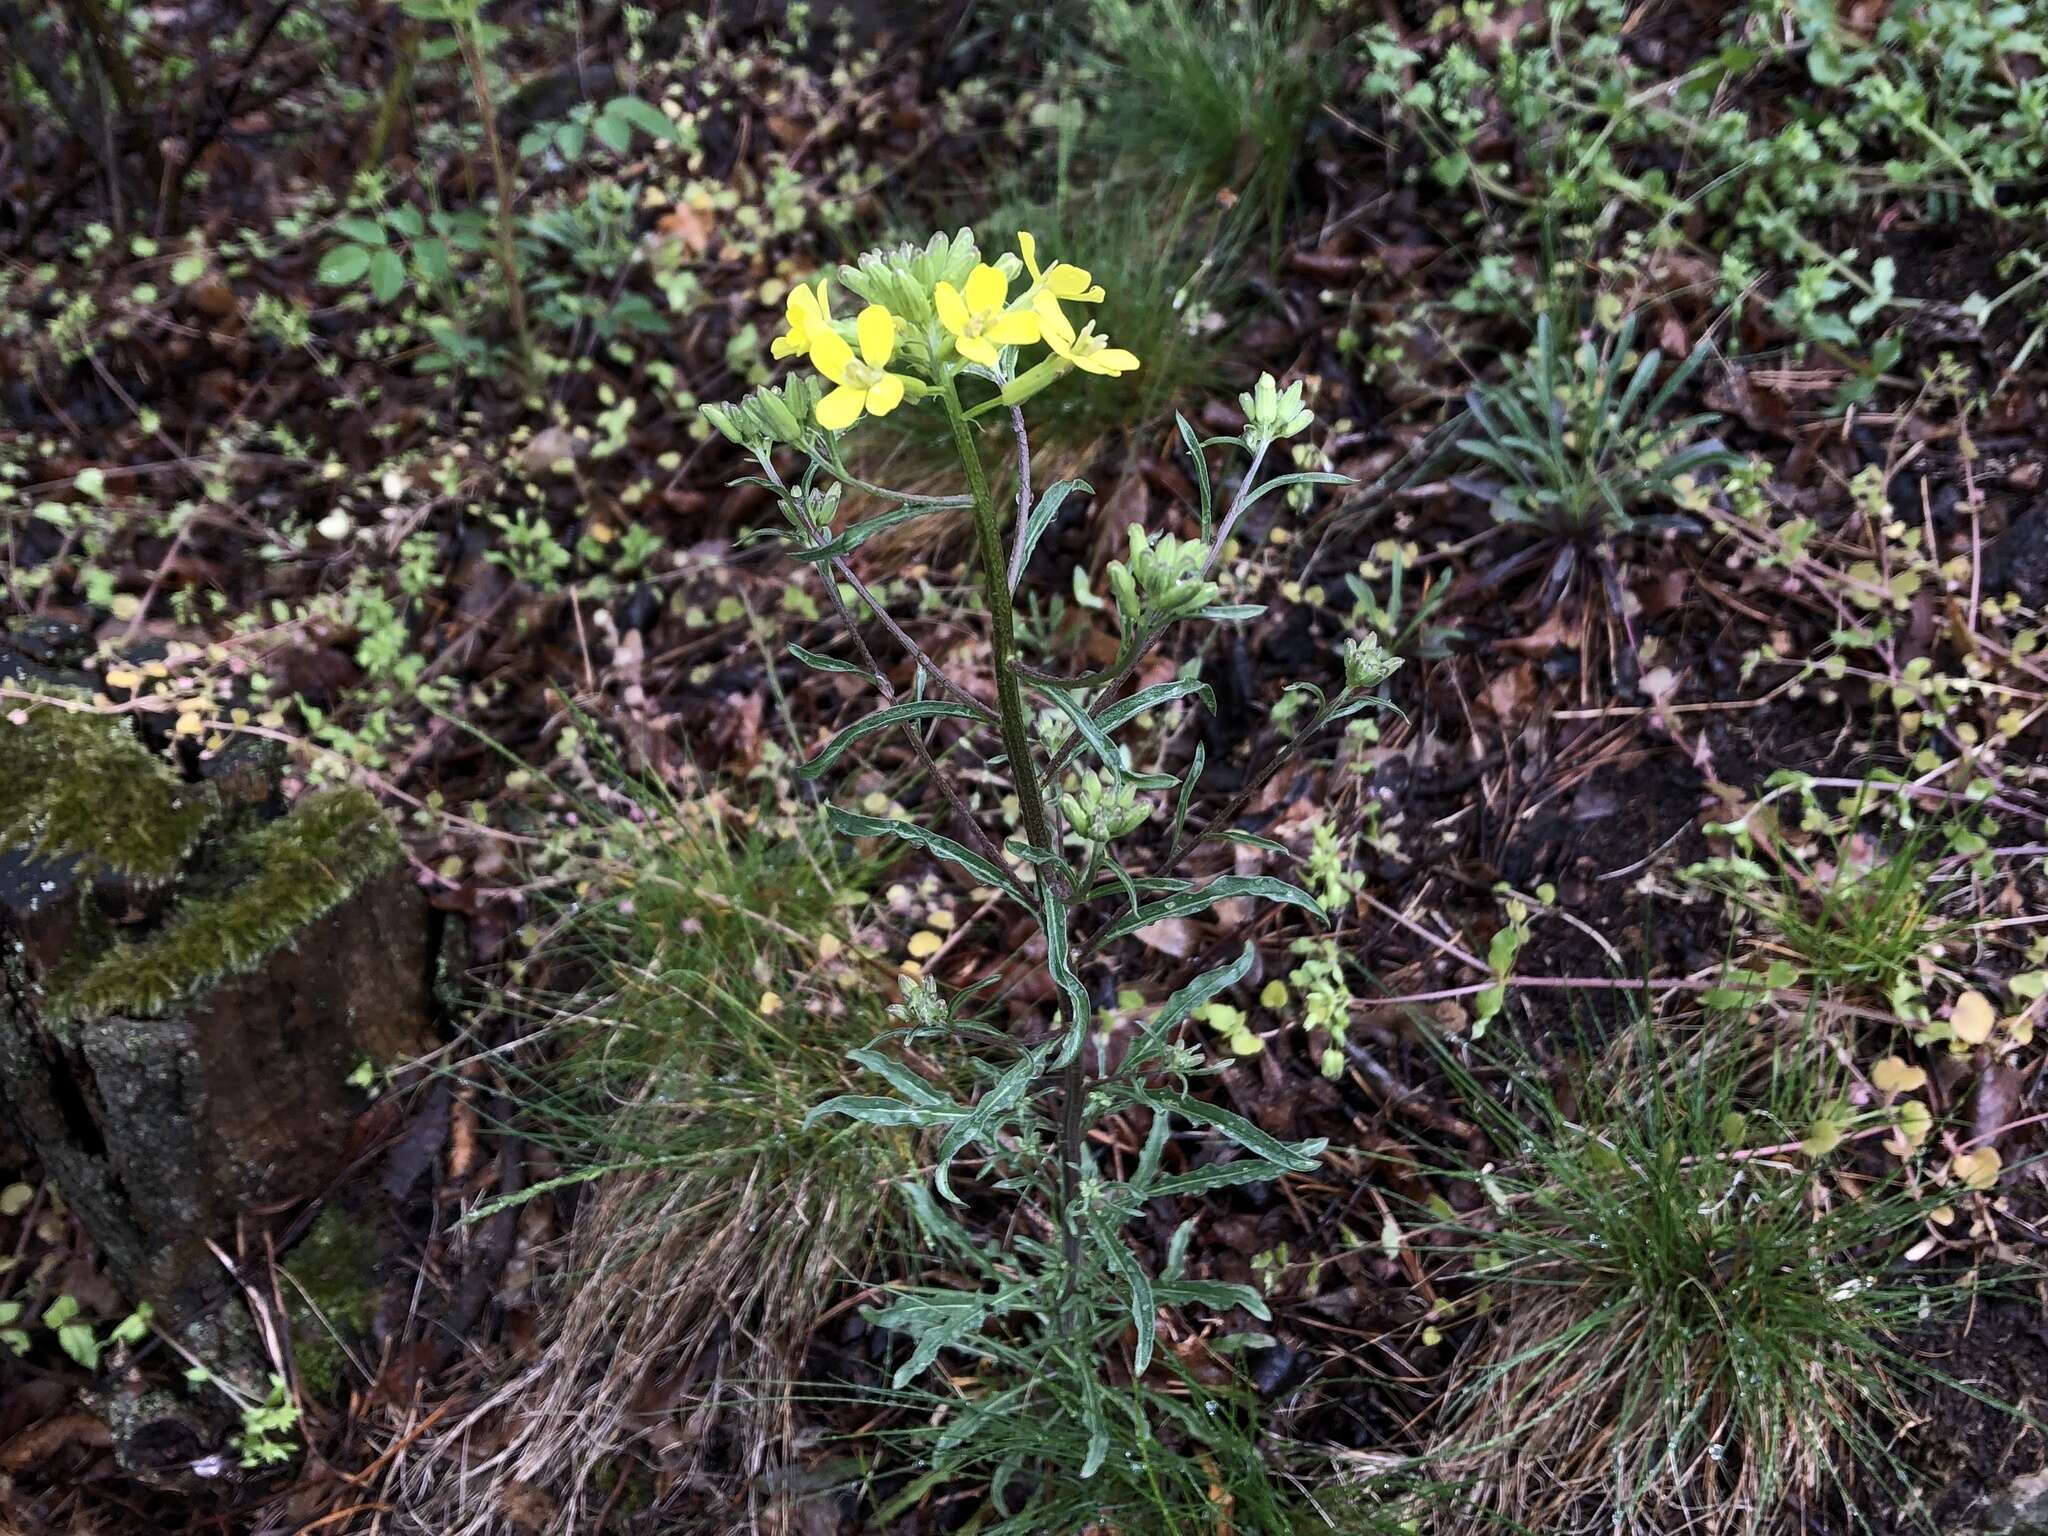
974,322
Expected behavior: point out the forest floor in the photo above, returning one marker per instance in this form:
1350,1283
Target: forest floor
1704,835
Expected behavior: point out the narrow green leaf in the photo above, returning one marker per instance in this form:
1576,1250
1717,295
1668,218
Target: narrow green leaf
1294,1157
852,824
861,532
900,1077
882,720
1042,515
873,1110
982,1122
1097,739
1207,504
1186,795
1186,903
1126,710
1204,987
1144,1310
1306,477
1217,1295
1052,917
818,663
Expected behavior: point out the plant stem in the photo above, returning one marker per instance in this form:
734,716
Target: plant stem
501,175
995,584
988,540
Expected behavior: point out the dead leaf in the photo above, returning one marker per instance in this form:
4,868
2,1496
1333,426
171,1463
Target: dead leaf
1895,1075
1979,1169
1173,936
1973,1018
689,227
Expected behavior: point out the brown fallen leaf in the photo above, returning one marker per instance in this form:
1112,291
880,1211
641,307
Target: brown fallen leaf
1173,936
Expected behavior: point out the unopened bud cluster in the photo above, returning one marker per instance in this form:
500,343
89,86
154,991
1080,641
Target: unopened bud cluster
770,417
923,1006
1102,811
1163,579
1272,414
1367,664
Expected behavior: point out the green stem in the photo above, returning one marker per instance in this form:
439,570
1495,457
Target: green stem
988,540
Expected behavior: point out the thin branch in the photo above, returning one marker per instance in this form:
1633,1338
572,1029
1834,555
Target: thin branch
1023,496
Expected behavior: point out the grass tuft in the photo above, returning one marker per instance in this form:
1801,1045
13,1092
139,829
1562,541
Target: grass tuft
1691,1323
713,1001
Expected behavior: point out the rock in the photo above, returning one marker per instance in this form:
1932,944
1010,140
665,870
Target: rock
2018,1509
2017,560
190,972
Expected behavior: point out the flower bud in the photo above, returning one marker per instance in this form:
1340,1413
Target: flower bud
1272,414
1366,664
1101,811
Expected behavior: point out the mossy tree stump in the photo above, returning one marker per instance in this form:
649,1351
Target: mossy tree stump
190,972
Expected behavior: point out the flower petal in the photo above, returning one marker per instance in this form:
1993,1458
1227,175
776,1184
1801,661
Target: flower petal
1059,334
987,288
976,349
1027,247
876,328
1014,329
830,354
1071,282
886,394
789,344
840,409
952,308
1117,360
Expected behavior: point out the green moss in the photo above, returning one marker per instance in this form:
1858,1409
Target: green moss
275,879
81,786
334,1298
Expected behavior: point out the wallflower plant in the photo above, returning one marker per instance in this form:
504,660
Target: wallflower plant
944,328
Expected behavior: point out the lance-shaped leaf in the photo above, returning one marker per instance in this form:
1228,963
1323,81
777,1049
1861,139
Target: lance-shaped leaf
881,720
873,1109
1059,958
1306,477
900,1077
1041,518
1217,1295
818,663
1185,903
1199,1181
1097,739
936,1320
853,824
986,1118
1205,986
1144,1320
1129,709
861,532
1206,504
1290,1156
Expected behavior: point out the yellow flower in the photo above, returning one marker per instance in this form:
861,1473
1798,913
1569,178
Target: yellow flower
865,384
978,321
1060,280
1086,350
809,315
